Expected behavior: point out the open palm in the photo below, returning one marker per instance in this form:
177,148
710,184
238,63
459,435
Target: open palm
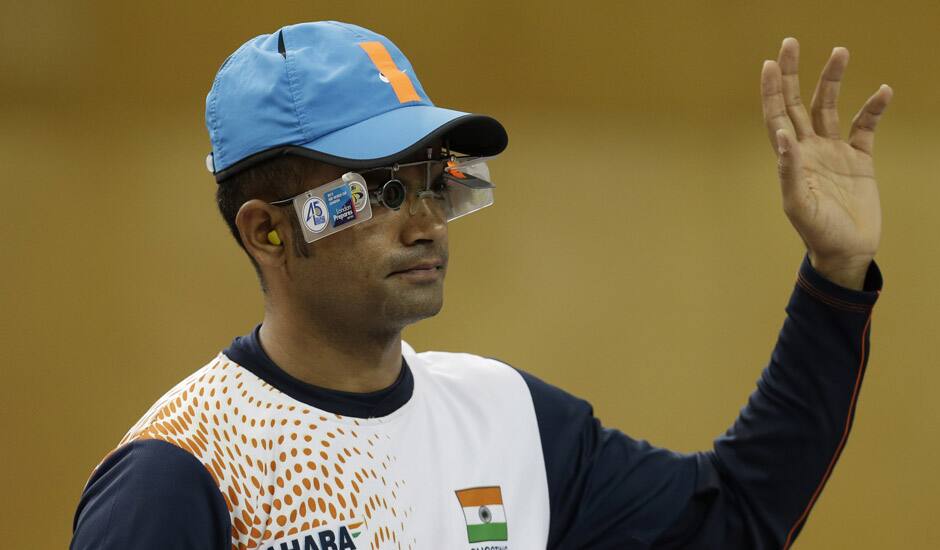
829,190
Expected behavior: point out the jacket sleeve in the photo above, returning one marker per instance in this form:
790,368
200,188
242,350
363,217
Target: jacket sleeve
756,487
151,494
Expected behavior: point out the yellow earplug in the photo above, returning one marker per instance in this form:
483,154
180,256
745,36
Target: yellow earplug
274,238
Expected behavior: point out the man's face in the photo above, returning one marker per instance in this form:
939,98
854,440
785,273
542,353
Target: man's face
380,275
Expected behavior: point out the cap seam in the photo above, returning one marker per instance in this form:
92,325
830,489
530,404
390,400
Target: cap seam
291,86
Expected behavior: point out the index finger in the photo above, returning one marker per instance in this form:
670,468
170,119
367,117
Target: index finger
774,106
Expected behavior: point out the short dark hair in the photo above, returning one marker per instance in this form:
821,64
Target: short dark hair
274,179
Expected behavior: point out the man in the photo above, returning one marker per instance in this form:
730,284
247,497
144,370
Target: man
322,430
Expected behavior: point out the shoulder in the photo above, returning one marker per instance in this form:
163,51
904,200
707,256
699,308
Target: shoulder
214,415
192,445
198,399
161,440
463,371
474,370
149,468
219,394
146,490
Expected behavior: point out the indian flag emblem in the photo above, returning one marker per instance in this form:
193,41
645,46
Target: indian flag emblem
484,513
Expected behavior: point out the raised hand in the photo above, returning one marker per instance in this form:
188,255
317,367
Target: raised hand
829,190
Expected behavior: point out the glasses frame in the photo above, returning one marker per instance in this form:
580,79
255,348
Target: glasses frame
459,174
387,194
377,196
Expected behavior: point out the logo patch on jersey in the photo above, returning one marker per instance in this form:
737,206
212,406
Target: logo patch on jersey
484,513
342,537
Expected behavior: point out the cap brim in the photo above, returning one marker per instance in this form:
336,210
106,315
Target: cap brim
392,136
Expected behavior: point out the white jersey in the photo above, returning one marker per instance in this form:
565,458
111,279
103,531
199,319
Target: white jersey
289,472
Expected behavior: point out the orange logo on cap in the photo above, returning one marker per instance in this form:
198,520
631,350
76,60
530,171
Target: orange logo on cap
400,82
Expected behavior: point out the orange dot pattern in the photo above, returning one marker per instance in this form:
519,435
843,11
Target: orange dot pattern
282,466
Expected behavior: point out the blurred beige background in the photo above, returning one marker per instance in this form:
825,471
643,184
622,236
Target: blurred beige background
119,278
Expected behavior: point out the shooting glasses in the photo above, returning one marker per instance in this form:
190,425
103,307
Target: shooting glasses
454,185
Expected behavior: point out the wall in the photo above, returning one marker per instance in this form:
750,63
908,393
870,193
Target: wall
119,278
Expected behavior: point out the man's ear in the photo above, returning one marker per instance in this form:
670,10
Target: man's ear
255,220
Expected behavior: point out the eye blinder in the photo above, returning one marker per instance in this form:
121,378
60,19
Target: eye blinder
391,194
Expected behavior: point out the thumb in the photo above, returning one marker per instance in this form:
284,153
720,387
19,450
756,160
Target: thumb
788,161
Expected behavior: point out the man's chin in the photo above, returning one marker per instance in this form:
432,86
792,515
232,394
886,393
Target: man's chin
410,307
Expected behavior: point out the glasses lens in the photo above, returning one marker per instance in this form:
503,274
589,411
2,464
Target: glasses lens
468,187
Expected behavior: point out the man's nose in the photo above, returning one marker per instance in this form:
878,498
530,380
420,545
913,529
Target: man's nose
423,219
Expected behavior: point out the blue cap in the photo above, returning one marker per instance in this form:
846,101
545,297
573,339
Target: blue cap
333,92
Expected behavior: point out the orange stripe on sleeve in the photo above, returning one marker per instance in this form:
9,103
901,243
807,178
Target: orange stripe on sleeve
400,82
791,536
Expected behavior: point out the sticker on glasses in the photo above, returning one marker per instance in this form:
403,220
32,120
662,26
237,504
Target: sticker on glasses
339,203
315,214
332,207
360,195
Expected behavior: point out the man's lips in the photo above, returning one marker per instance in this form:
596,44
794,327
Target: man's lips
422,266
